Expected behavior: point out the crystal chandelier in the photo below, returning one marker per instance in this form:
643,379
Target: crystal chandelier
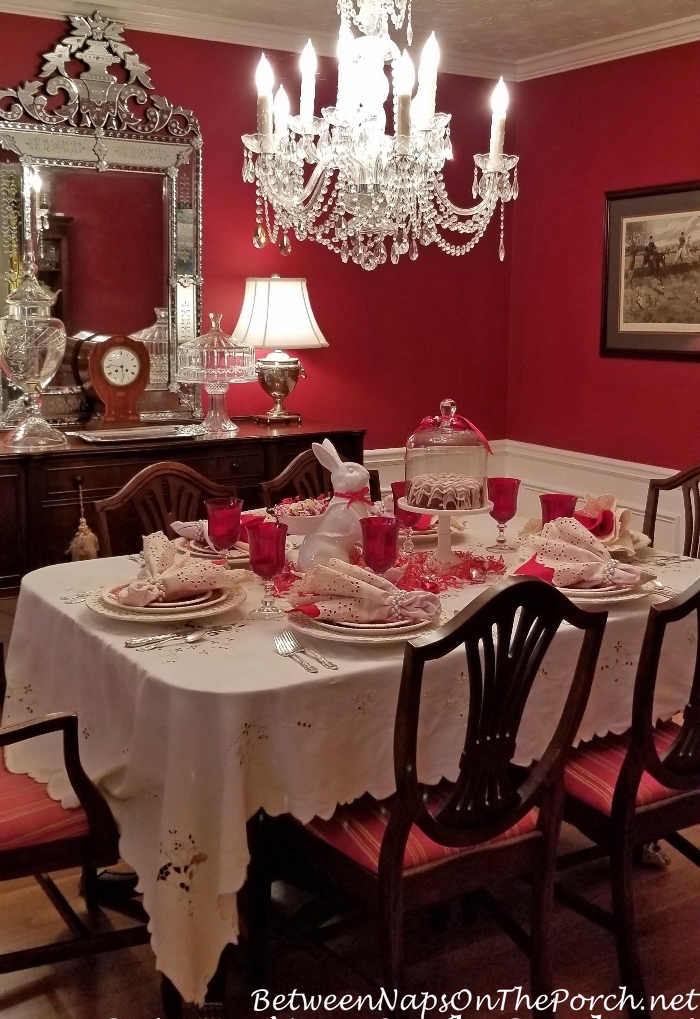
365,190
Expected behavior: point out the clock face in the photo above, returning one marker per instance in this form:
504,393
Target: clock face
120,366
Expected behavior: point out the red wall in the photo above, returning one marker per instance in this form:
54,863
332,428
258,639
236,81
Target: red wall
135,257
402,337
625,124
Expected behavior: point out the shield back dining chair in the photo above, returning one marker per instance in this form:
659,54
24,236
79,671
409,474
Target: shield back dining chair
151,501
625,791
495,822
38,836
306,478
689,483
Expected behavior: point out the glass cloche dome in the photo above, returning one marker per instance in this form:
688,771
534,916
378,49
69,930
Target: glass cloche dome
215,361
446,463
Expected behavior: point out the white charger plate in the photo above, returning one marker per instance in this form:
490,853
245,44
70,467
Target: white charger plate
213,597
324,631
230,600
604,597
237,556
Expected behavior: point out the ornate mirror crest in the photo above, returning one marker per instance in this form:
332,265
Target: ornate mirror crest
95,107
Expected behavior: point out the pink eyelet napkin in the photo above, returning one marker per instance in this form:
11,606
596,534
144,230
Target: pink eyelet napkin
169,575
610,523
567,554
344,593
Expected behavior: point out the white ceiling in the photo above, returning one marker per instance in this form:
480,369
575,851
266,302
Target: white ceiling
509,30
519,38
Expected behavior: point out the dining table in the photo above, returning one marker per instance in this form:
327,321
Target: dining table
188,741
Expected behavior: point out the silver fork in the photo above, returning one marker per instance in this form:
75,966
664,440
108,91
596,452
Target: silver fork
293,645
282,649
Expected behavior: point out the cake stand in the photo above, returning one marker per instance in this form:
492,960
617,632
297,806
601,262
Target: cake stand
443,552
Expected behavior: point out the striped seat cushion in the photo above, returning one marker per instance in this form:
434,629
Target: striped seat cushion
28,815
357,830
592,770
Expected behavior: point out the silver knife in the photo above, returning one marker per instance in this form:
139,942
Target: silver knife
144,641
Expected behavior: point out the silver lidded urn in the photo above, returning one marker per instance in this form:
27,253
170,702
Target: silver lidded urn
32,344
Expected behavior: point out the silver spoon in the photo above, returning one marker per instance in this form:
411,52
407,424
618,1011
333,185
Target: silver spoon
192,638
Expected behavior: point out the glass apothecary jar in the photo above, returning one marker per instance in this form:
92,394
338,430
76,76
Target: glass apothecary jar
216,361
446,463
32,344
156,338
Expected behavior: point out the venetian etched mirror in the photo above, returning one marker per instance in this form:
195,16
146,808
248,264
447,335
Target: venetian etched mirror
101,179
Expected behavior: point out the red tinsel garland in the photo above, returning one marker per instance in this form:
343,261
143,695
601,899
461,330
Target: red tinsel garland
422,573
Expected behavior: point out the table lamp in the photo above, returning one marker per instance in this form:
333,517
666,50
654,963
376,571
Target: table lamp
277,316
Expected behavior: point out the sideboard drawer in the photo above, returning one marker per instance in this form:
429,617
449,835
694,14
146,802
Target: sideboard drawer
108,476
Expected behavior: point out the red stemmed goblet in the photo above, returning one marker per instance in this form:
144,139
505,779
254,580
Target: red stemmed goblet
554,505
380,542
406,519
503,493
223,521
266,546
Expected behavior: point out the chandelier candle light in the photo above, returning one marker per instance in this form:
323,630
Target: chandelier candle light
364,190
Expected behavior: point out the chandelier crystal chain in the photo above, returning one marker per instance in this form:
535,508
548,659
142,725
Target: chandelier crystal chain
340,179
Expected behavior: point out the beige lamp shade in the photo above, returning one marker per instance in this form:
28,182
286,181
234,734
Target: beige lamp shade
277,315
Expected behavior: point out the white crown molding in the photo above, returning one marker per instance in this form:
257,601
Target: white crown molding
629,44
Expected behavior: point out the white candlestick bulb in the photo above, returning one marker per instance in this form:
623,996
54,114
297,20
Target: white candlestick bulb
499,105
281,111
345,77
404,80
264,78
264,81
308,65
424,103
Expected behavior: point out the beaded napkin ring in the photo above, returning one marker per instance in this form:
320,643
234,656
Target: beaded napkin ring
609,571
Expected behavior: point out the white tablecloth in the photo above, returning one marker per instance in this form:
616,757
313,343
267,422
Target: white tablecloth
188,742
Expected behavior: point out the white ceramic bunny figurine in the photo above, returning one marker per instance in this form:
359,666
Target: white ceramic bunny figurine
338,529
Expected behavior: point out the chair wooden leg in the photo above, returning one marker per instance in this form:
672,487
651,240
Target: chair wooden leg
172,999
625,932
391,932
89,888
257,902
543,899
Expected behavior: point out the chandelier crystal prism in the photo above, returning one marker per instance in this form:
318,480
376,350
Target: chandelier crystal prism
340,179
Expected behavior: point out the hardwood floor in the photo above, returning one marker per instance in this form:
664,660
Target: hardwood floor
124,985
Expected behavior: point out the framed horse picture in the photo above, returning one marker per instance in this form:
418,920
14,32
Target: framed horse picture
651,273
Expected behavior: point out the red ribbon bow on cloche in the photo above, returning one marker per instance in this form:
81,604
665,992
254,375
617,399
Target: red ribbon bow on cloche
456,421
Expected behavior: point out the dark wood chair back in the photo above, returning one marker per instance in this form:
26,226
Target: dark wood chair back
689,482
156,496
305,477
679,767
506,633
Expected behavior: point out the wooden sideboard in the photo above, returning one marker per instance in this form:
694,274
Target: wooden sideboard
39,505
